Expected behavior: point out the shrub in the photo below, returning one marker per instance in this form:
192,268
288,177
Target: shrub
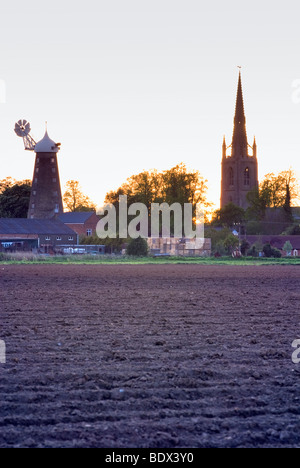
219,249
253,252
269,251
138,247
276,253
245,247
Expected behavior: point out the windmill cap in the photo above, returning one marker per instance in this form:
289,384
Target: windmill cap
46,145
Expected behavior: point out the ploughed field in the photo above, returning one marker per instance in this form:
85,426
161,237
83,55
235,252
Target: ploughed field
166,356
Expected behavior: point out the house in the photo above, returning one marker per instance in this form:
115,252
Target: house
44,235
83,223
277,242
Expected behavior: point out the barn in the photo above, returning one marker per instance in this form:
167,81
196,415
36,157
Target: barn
41,235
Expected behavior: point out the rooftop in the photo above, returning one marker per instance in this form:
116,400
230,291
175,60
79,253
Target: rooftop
46,145
33,226
76,218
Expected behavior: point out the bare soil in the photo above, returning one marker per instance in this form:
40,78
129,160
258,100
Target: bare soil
167,356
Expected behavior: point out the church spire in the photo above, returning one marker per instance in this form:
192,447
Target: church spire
239,140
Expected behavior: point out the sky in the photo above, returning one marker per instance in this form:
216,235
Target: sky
128,85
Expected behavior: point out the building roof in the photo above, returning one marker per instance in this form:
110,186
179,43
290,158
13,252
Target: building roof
46,145
76,218
34,226
296,212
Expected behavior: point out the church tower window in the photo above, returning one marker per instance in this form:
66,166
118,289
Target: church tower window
247,177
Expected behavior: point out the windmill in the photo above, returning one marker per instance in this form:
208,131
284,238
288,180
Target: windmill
23,129
45,199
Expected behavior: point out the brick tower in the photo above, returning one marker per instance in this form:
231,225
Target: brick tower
45,199
240,168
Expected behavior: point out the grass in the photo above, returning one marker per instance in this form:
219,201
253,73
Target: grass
25,258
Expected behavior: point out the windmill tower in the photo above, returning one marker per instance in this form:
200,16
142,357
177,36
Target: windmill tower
46,199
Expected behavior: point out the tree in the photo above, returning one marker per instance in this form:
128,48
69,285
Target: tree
257,206
217,237
182,186
14,198
138,247
287,248
229,216
231,243
75,200
276,189
287,206
270,209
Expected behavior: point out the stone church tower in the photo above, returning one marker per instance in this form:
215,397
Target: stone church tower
239,169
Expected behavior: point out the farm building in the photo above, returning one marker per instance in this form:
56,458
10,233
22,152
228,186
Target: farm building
42,235
83,223
180,247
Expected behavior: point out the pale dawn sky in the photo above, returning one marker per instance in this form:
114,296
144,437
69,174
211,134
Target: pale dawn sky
127,85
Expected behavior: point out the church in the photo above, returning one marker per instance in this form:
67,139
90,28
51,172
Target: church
239,160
